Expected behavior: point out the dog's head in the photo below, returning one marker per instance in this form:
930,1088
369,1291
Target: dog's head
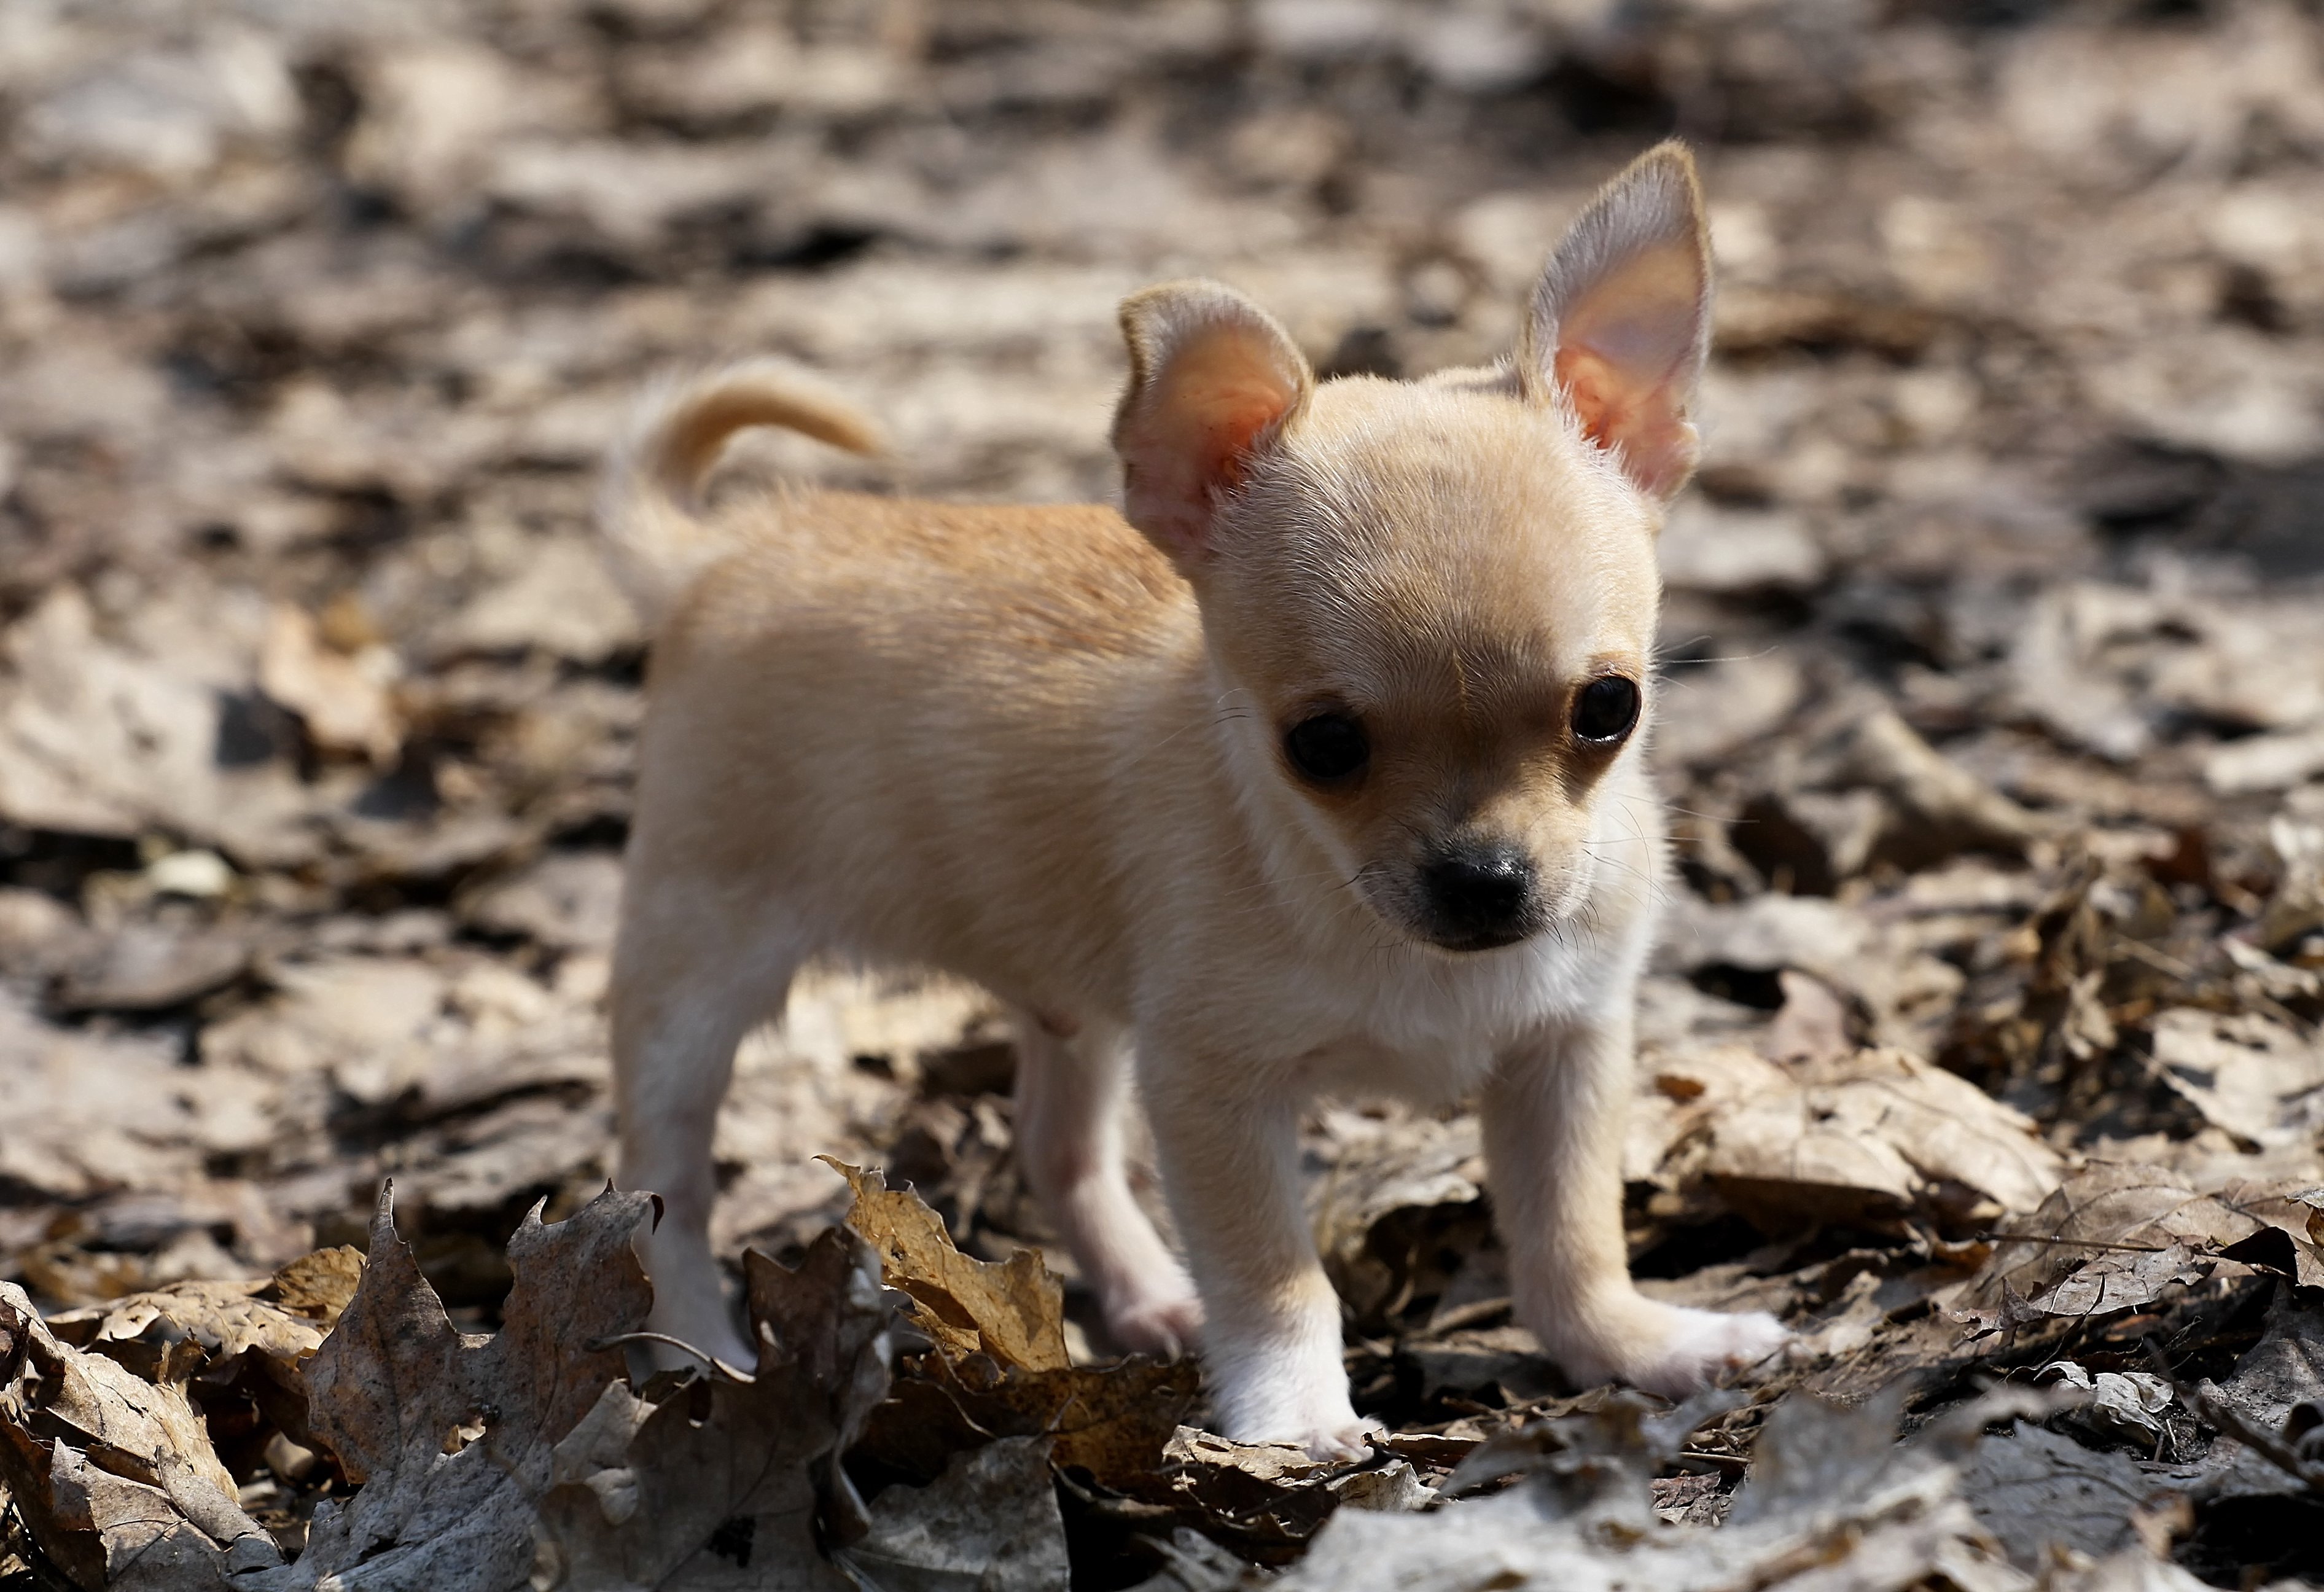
1435,601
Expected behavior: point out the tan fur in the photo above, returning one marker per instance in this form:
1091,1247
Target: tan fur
1037,748
675,435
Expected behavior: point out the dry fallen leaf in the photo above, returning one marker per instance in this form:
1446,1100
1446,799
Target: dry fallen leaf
1012,1312
723,1474
255,1338
1872,1136
114,1476
1835,1505
2039,1492
2113,1237
2256,1077
1110,1421
90,1112
1397,1198
451,1436
181,1330
342,699
989,1524
2123,1404
99,736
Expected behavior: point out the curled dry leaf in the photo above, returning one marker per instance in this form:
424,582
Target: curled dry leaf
255,1337
1013,1311
2125,1404
1871,1137
114,1476
1400,1201
185,1328
2113,1237
1109,1421
343,699
1267,1500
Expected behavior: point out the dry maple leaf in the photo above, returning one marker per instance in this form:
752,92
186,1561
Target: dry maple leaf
719,1484
451,1435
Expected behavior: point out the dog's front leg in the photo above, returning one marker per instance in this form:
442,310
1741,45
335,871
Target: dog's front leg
1230,1160
1554,1115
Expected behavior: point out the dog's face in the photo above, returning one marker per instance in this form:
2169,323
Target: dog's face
1438,609
1435,602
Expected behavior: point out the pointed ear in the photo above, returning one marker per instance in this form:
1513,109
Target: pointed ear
1620,320
1212,379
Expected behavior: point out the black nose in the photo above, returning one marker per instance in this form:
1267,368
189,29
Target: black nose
1481,894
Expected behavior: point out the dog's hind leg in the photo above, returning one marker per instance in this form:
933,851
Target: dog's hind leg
1070,1098
693,973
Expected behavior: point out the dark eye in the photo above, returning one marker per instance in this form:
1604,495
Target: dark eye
1606,709
1327,747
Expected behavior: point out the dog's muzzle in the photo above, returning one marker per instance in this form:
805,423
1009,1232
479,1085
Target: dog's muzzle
1479,894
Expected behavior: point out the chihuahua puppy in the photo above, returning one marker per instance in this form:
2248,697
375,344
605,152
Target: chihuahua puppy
1319,769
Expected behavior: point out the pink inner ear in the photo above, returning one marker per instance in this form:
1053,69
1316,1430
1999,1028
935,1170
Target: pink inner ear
1211,404
1642,423
1625,362
1237,416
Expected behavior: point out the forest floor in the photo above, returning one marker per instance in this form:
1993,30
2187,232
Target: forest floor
1982,1042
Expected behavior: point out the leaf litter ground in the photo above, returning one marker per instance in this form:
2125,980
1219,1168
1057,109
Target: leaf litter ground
1982,1046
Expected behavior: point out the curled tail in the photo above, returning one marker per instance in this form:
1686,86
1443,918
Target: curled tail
647,505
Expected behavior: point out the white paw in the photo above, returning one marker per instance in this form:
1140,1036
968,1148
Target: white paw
1307,1411
1339,1444
1166,1325
1331,1437
1700,1345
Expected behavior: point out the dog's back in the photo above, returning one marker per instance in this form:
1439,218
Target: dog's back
894,696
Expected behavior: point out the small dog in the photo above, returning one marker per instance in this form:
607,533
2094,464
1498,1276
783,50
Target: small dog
1319,769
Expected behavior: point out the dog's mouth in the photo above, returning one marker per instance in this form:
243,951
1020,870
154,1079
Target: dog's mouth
1479,939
